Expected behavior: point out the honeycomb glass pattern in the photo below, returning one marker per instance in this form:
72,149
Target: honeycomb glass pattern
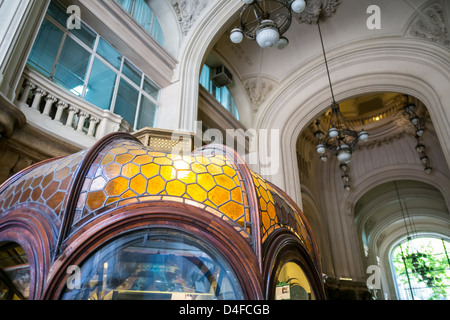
47,184
127,172
277,212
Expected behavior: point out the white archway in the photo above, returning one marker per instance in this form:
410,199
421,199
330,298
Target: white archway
406,66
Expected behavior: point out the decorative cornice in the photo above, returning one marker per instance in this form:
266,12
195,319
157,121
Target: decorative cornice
430,24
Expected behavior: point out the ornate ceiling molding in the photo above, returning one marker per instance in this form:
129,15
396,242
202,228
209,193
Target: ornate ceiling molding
258,89
188,11
316,9
429,24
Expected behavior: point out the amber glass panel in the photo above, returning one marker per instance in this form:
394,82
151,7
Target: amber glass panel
129,170
46,184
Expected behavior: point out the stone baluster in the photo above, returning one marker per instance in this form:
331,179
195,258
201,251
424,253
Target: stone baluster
38,94
81,120
60,108
49,101
72,112
26,91
92,123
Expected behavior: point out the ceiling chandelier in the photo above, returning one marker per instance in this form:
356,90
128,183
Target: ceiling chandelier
340,139
266,21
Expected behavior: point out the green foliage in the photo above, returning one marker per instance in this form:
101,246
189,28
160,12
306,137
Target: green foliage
422,264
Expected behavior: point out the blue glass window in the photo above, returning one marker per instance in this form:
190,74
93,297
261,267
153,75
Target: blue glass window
143,15
89,67
72,65
221,94
126,103
101,85
46,47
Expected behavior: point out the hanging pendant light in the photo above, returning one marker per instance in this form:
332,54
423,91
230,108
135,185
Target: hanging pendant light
267,34
266,21
341,139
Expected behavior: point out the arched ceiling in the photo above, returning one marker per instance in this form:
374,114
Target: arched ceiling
269,70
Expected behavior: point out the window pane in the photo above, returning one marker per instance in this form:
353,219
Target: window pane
72,66
101,85
143,14
157,33
109,53
126,4
204,77
156,265
57,12
85,34
45,49
126,102
147,113
151,88
132,73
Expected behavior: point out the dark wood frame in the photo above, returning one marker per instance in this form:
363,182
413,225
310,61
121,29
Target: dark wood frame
281,247
160,214
32,227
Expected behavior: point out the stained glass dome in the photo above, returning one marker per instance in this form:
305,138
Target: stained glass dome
94,188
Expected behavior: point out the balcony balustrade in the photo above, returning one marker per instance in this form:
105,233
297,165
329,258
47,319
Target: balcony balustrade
52,108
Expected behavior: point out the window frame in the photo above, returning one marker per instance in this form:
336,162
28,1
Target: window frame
118,72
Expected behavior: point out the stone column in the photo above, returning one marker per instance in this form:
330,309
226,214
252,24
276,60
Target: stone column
26,92
60,107
72,112
83,117
49,101
92,123
38,94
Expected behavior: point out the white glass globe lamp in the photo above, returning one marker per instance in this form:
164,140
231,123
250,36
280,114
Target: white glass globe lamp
236,35
298,6
333,132
344,154
267,36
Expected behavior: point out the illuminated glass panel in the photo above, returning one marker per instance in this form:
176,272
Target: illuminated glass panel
130,173
292,283
156,265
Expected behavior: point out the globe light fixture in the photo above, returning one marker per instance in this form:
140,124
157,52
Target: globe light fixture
267,34
340,139
266,21
298,6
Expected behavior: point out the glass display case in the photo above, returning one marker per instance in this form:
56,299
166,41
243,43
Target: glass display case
156,265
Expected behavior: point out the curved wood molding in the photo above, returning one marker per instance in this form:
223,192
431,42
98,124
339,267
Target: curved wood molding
281,247
78,180
305,221
160,214
32,229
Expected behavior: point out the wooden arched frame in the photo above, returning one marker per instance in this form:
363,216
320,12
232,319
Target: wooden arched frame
173,216
31,228
282,247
